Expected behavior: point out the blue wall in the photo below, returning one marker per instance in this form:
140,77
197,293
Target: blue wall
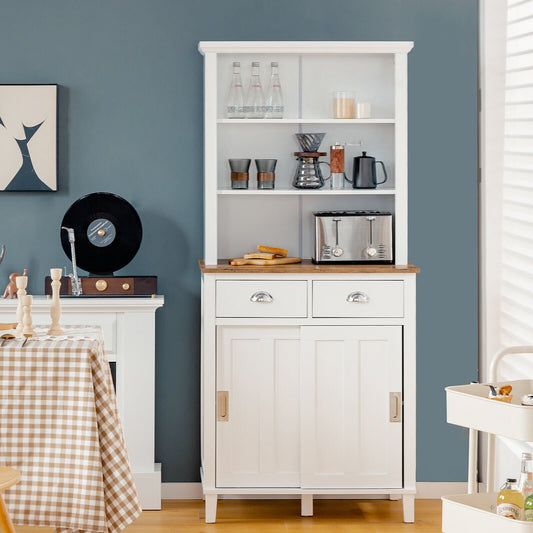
131,123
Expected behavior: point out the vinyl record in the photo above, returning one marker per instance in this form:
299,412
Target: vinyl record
107,229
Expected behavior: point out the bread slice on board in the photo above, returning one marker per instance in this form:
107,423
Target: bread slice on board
272,250
259,255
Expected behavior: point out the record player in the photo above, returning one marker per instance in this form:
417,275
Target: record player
101,233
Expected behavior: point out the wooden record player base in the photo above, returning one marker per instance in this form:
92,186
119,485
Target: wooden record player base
109,286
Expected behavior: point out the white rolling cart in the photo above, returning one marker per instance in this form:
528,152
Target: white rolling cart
468,406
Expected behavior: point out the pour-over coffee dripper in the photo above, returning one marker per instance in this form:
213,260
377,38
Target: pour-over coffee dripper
310,142
308,174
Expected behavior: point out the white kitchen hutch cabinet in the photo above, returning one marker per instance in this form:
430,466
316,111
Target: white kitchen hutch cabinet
309,392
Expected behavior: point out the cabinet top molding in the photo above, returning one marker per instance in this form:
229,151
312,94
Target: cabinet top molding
91,305
305,47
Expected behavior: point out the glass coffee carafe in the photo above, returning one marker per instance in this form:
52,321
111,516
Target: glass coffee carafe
308,174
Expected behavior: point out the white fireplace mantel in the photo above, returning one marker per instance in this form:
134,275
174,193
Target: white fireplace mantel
128,326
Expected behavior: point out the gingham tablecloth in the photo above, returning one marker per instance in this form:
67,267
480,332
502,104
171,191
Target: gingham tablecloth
59,426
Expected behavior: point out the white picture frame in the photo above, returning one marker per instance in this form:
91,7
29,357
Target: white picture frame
28,137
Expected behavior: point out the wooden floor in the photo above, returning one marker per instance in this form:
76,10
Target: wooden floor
273,516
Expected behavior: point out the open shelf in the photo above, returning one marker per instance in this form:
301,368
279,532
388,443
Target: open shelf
476,512
468,406
306,121
304,192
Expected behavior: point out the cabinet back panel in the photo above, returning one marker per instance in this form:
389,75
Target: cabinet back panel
245,222
369,76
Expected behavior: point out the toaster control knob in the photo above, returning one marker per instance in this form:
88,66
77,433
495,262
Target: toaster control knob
371,251
337,252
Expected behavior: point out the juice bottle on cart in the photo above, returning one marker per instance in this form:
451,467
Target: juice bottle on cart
510,501
525,485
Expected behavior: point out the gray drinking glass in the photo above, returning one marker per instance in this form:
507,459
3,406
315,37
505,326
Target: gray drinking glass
239,173
265,173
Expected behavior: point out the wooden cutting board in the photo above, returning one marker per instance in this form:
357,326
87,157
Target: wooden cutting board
239,261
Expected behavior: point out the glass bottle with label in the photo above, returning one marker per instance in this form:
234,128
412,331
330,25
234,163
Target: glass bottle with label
235,104
510,501
255,100
274,100
525,483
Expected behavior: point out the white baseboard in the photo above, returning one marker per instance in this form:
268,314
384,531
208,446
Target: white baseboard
435,490
424,490
181,491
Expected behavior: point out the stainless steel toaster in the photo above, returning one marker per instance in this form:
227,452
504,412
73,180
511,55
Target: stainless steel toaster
353,237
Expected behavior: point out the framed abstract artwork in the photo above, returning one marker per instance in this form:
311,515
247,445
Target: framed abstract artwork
28,138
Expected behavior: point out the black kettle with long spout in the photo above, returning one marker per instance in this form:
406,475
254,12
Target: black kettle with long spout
364,172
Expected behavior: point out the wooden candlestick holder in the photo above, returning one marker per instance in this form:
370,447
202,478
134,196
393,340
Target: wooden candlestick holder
55,306
22,283
27,330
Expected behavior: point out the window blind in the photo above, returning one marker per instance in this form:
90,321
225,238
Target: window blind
517,186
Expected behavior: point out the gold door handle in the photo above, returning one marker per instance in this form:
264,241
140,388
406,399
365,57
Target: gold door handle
222,406
395,404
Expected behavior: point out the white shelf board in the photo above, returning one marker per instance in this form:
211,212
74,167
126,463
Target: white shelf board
303,192
305,121
305,47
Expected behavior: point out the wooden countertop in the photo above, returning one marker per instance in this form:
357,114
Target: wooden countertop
306,267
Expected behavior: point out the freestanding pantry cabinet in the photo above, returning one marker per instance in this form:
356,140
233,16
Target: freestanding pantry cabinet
308,371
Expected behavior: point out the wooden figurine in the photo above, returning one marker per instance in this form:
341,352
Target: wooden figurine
55,306
11,289
27,329
21,282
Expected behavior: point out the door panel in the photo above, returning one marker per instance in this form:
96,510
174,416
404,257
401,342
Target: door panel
347,375
258,445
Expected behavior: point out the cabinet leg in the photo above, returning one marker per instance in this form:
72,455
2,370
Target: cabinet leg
395,497
211,508
307,505
409,508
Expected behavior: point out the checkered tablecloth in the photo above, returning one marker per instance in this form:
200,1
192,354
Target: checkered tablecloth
59,426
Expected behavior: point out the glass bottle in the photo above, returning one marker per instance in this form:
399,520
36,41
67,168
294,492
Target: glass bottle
255,101
510,501
235,104
525,482
274,100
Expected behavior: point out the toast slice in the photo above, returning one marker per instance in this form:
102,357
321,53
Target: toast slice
271,250
259,255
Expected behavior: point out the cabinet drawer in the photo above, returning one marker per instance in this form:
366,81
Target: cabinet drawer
358,299
258,299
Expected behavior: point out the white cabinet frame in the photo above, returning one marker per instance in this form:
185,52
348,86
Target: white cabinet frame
296,206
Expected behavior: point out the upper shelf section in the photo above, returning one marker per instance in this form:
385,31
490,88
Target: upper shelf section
306,47
309,81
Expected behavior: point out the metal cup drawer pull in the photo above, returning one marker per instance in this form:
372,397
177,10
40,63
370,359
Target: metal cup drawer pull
358,297
261,297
